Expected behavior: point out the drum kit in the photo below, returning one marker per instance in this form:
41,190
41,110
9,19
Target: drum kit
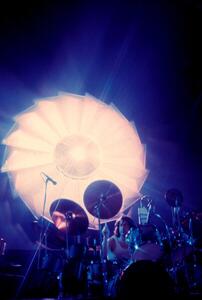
176,251
83,265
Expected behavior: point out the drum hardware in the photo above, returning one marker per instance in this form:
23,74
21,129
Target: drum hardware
184,266
180,242
71,219
192,226
167,236
43,236
2,246
144,209
146,239
187,275
103,200
174,199
93,251
145,243
178,247
131,239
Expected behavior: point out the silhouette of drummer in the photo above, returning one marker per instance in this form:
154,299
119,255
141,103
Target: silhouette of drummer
116,251
116,248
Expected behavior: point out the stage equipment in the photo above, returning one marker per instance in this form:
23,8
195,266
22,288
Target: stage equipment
145,243
43,233
174,199
192,226
68,216
103,199
73,141
2,246
71,219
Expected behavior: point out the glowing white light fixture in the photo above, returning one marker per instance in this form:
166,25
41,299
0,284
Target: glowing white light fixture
76,140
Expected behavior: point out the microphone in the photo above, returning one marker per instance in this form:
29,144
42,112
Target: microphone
49,178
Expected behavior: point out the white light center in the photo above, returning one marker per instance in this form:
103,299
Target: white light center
78,153
77,156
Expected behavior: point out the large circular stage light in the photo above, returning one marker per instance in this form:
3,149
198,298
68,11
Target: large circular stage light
75,140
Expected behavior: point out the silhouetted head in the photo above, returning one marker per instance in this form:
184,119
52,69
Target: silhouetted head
123,225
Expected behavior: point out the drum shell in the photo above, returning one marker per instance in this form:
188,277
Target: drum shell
148,251
149,233
145,243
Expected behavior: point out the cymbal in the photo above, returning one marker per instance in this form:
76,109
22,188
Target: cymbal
69,217
103,199
174,197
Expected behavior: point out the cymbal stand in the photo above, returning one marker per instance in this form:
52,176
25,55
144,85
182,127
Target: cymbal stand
179,269
166,229
191,241
176,218
68,217
97,208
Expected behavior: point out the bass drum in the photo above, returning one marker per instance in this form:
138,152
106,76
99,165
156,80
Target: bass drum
145,278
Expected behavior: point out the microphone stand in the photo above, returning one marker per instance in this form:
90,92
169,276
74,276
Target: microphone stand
38,250
103,262
43,230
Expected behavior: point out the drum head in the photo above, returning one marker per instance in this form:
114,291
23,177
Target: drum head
145,278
